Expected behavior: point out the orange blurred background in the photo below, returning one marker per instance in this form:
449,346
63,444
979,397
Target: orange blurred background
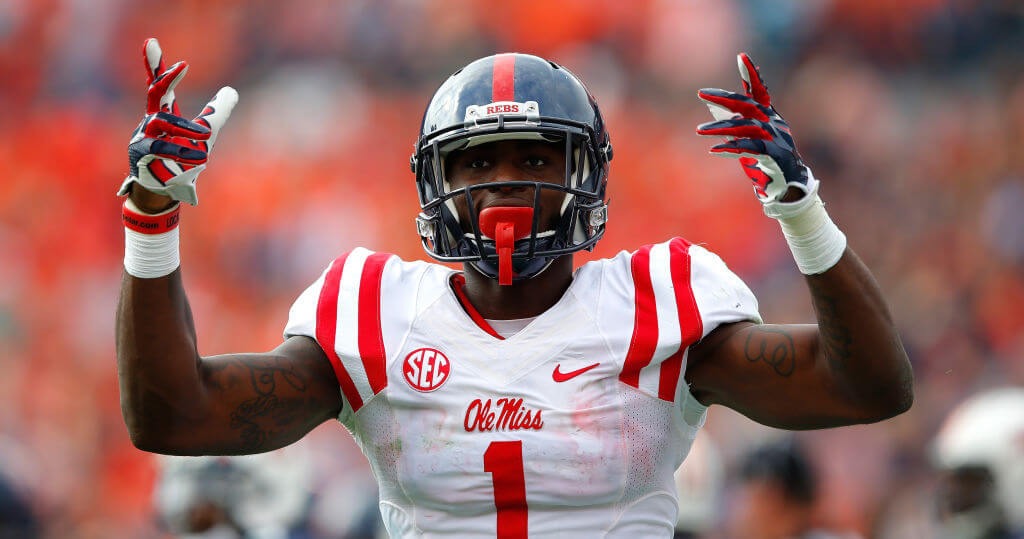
911,119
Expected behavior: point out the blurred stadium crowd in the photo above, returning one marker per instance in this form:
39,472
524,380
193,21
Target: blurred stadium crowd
911,118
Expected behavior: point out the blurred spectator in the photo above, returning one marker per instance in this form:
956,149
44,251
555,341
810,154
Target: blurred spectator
980,451
263,496
16,516
776,495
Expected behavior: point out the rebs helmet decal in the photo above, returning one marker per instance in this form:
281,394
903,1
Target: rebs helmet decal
502,97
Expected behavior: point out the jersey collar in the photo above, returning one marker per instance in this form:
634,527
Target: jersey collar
458,283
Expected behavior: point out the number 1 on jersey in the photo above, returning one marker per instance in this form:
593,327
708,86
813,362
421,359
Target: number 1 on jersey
504,461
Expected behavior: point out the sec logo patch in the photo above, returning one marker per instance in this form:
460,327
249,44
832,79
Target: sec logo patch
426,369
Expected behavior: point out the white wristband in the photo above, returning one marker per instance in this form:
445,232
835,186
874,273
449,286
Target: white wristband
816,242
148,256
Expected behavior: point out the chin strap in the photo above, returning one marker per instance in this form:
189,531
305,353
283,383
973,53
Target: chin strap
506,224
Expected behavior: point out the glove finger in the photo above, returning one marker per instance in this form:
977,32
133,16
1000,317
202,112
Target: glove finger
166,123
738,103
163,85
753,84
153,60
217,111
176,152
743,147
739,127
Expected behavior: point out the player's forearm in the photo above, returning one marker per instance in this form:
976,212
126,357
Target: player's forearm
157,360
858,340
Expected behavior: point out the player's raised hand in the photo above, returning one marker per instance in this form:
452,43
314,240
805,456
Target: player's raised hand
757,135
167,152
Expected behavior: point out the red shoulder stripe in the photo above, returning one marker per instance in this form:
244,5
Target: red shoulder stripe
371,337
690,327
327,326
645,322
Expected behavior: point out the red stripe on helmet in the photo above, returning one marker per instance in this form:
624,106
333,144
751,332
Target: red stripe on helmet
503,86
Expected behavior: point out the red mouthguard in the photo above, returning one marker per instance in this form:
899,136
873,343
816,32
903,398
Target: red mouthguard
506,224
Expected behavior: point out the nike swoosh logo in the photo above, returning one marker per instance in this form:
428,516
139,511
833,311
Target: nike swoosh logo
563,376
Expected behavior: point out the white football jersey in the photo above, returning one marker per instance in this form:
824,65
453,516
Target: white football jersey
572,427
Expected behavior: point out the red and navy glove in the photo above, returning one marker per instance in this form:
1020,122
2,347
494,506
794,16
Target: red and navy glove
166,152
758,136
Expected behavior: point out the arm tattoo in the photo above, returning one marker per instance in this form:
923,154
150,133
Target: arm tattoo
774,347
835,336
268,414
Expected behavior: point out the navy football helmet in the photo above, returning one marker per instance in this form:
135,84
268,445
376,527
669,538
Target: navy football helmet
501,97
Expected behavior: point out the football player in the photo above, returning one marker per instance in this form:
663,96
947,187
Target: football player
515,397
980,453
775,496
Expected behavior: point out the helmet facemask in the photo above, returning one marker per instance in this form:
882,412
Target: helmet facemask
579,222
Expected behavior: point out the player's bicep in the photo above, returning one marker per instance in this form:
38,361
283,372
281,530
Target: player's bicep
773,374
260,402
